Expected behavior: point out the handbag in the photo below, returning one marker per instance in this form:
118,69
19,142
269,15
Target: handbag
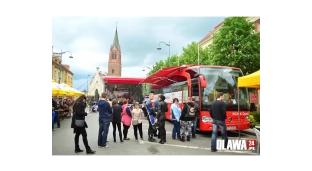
136,122
79,123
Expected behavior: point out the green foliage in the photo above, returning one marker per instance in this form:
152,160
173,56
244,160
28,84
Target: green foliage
236,45
189,56
256,115
254,119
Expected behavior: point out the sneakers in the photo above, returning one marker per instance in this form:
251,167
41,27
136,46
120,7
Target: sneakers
214,150
104,146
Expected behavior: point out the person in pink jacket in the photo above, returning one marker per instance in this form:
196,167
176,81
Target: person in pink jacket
126,119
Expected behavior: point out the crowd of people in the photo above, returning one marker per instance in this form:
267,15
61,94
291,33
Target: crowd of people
60,108
114,112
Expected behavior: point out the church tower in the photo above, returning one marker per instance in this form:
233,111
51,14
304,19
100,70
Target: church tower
114,60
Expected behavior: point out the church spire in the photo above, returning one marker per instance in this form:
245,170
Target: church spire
116,41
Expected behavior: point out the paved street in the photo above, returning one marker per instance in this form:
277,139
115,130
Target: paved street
63,142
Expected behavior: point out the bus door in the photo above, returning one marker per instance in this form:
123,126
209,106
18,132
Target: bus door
195,93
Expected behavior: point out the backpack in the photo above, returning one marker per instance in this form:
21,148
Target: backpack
191,112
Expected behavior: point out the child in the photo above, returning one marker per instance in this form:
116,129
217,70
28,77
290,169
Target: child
53,116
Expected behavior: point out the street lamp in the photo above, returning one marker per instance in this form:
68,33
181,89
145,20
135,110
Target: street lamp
159,48
146,87
87,85
71,55
146,67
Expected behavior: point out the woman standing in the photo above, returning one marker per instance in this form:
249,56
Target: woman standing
126,119
162,108
79,114
175,114
116,120
137,114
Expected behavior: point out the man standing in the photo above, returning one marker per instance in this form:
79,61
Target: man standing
151,114
196,117
105,110
56,108
218,114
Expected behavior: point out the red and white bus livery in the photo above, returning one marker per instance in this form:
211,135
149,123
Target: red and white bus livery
204,83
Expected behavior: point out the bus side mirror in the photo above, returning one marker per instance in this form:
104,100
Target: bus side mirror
203,81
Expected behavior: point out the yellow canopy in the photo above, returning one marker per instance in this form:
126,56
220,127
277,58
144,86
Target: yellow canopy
68,89
250,81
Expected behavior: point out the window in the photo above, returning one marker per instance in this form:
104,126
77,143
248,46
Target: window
113,71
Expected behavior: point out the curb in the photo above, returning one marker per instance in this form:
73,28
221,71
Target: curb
249,132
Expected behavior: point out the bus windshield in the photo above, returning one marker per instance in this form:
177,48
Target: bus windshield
223,80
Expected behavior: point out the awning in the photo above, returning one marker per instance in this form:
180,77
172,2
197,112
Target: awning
165,76
250,81
122,80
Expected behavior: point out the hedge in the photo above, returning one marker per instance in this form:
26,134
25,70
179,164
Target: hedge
254,119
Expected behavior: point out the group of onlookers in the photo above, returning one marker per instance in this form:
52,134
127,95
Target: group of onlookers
184,120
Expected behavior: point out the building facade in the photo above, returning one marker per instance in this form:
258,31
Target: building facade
114,60
208,39
61,72
96,85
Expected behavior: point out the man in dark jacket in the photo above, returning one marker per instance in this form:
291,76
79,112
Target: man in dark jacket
218,114
105,111
186,120
194,127
56,109
161,116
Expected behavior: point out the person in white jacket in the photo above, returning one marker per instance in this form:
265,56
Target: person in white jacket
175,114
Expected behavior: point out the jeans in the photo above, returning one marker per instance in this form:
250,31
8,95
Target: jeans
194,127
103,131
52,123
218,124
176,129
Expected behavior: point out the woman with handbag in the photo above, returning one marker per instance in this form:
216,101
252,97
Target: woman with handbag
79,124
137,114
126,119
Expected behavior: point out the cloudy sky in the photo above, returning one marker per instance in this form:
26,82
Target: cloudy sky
89,40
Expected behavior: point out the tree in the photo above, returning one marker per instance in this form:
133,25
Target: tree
236,45
157,66
190,55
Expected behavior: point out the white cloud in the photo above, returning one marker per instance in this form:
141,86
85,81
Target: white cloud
89,39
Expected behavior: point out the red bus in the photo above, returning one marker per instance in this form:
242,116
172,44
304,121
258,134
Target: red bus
204,83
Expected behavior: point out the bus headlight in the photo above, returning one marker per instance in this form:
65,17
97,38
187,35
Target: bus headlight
206,119
247,118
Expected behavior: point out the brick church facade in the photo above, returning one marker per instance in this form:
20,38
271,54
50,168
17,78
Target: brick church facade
114,60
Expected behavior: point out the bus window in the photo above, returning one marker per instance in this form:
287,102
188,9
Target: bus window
223,80
185,93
